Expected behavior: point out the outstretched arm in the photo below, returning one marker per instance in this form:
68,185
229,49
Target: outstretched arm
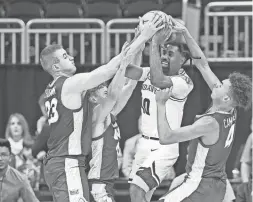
129,87
202,127
202,63
124,97
135,72
85,81
114,90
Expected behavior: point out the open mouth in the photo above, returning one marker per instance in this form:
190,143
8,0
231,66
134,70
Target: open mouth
165,63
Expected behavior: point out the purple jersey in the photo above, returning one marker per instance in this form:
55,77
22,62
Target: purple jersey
104,162
209,161
70,130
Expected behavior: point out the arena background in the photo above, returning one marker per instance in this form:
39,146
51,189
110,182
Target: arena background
226,41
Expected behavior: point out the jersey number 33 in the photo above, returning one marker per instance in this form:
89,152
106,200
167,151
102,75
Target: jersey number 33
52,113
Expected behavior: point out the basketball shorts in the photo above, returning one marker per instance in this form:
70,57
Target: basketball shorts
152,163
101,191
206,189
66,179
229,195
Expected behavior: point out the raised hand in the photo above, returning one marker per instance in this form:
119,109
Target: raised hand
162,35
163,95
178,27
176,36
151,27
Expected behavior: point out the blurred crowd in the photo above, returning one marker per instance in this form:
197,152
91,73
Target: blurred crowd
28,151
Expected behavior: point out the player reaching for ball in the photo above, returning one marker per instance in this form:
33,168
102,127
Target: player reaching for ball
153,160
211,135
69,117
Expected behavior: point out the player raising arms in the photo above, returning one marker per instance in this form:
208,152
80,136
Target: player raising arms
153,160
211,135
107,102
69,117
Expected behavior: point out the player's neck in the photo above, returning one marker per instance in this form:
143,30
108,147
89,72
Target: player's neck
59,74
172,72
218,107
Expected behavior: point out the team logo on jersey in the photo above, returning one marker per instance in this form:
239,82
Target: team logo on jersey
74,192
150,88
187,79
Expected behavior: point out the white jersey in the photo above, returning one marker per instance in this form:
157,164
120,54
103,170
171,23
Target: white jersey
182,86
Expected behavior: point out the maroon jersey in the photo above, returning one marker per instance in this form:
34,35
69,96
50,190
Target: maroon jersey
209,161
70,130
104,162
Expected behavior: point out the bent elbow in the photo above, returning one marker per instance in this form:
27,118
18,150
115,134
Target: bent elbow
163,141
161,84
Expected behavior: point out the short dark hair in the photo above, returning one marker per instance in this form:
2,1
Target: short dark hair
241,89
184,50
5,143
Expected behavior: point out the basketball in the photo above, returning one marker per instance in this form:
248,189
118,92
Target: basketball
150,15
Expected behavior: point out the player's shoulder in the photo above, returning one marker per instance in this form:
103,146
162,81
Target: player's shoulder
208,121
57,82
185,77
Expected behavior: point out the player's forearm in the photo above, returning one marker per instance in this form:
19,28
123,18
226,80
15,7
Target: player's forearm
117,83
124,97
136,46
158,79
101,74
156,72
195,50
245,172
137,58
202,63
163,127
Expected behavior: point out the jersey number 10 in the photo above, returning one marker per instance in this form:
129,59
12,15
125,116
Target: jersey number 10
52,113
145,106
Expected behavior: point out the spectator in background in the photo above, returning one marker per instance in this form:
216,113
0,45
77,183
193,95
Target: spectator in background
17,133
39,147
14,185
244,192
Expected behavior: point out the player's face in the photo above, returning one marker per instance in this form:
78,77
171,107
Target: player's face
16,128
101,92
66,62
4,157
171,59
222,91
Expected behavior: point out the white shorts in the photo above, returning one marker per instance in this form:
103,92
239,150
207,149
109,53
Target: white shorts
152,164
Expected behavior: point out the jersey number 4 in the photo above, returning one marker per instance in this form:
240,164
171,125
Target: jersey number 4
230,136
145,106
52,113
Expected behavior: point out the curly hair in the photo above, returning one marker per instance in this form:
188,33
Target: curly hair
241,88
26,133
